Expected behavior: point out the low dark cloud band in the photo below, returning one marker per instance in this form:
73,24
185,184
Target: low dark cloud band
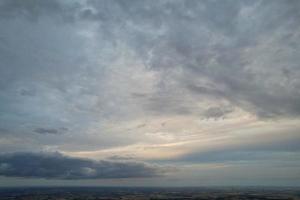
58,166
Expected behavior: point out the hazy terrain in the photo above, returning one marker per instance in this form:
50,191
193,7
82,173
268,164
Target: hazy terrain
93,193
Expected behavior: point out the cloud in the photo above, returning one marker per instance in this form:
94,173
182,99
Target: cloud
34,9
278,145
240,155
25,92
50,130
58,166
217,112
188,41
108,64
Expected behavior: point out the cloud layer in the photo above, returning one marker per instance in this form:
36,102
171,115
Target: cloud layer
182,82
57,166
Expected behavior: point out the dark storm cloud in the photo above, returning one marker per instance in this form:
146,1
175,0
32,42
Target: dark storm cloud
57,166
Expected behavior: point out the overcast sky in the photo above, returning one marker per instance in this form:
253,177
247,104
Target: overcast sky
149,93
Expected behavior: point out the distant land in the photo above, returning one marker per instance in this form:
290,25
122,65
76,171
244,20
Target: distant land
149,193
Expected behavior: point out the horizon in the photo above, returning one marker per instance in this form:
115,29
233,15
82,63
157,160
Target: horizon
154,187
117,193
183,93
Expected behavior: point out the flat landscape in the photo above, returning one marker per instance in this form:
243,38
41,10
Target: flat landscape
112,193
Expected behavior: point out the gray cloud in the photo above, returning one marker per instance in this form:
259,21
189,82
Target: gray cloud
216,41
94,66
25,92
34,9
217,112
286,149
243,156
50,130
194,39
58,166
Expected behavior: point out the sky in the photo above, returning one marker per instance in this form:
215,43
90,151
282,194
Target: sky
149,93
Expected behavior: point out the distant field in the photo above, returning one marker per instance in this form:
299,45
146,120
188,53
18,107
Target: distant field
93,193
